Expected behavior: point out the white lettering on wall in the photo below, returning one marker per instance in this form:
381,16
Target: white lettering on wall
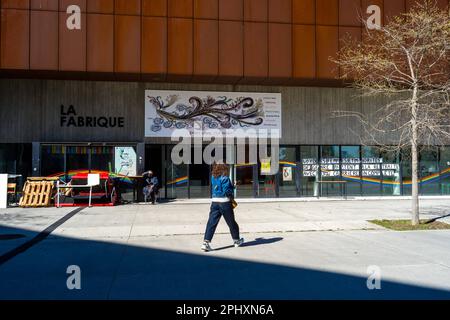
73,22
374,20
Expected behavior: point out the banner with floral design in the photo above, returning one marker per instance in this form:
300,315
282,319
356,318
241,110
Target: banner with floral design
166,111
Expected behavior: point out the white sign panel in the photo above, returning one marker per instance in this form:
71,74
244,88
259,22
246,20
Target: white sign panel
125,161
3,191
166,111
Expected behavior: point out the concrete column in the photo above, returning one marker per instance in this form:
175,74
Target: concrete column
36,159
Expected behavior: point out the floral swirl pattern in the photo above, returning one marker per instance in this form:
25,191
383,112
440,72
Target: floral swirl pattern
213,113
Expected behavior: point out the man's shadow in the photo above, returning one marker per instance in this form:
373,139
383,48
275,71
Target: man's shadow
256,242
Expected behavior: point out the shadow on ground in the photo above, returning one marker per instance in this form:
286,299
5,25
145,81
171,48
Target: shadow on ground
116,271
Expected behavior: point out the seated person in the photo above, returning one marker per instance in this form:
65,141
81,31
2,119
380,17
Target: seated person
151,186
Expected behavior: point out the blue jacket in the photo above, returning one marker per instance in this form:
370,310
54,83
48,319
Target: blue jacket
222,187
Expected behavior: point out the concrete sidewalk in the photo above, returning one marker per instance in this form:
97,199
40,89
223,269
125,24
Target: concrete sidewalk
189,218
183,218
293,250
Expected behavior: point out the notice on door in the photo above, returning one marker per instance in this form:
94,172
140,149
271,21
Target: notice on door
287,174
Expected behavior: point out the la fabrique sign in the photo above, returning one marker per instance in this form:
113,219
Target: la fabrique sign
69,117
373,11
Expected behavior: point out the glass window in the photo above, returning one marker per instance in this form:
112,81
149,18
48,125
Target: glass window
16,159
244,175
77,159
350,169
52,161
330,170
429,172
199,180
267,187
444,165
406,171
309,170
288,172
371,179
102,159
391,173
244,180
177,177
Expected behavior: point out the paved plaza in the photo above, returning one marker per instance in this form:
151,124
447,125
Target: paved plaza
293,250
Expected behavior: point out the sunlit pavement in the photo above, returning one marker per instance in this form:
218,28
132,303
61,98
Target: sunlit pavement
294,250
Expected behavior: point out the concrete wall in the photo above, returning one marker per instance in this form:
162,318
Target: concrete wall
30,110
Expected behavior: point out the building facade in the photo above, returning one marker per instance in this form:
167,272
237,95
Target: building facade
74,77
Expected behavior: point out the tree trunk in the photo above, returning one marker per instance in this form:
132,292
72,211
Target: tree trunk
415,184
414,162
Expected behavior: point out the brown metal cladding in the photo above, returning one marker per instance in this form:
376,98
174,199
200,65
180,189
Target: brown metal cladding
304,11
127,44
15,39
393,8
215,40
100,43
255,10
443,4
255,50
44,40
154,45
327,12
100,6
206,47
180,50
231,10
15,4
411,3
180,8
350,13
72,45
352,32
349,32
280,50
154,8
304,53
63,4
327,46
206,9
129,7
231,49
280,11
50,5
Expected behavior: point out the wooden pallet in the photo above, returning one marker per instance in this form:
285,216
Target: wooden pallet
37,194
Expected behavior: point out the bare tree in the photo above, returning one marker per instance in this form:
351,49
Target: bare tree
408,61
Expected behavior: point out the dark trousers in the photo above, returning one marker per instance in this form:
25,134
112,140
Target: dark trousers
219,209
150,192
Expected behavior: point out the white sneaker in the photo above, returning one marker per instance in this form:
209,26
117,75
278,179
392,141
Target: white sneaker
206,247
238,243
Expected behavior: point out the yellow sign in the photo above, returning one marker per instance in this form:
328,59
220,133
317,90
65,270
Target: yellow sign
265,166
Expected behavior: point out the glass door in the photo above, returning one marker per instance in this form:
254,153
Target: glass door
177,177
199,180
309,170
